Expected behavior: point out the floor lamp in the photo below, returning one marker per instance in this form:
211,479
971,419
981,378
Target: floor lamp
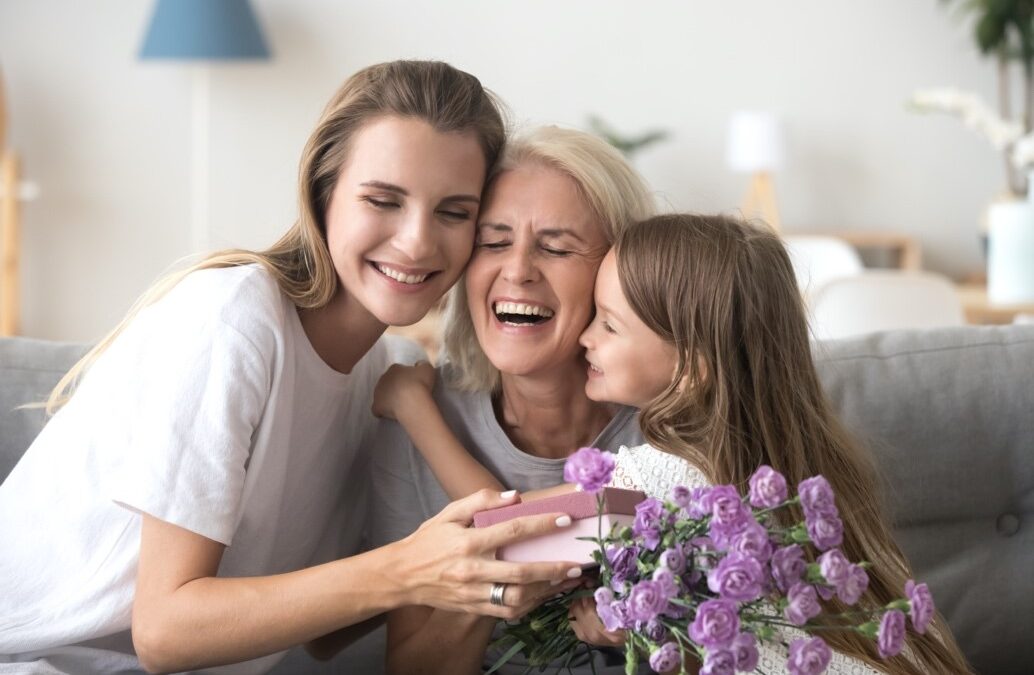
202,32
755,146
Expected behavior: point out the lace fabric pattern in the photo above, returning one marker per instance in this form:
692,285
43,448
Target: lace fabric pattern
654,472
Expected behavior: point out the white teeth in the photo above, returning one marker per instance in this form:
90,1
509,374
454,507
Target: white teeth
521,308
399,276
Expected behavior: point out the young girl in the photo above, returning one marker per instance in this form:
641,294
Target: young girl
185,508
699,323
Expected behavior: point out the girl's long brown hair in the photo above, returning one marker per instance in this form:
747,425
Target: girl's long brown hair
724,293
448,99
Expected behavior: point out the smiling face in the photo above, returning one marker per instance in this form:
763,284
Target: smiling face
628,362
529,283
400,224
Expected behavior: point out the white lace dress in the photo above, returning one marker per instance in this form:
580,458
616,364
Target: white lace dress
649,470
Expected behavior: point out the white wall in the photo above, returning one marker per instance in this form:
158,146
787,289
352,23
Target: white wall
108,136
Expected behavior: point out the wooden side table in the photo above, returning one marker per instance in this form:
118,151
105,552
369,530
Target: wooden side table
980,310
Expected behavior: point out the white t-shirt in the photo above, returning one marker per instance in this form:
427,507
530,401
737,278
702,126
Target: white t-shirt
211,411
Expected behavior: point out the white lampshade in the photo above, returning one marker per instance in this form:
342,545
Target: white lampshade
755,142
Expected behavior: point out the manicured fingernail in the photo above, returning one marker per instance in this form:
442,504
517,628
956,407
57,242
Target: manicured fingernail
574,572
509,494
555,582
563,521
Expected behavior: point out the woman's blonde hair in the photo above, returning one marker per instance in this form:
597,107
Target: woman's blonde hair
613,190
448,99
724,293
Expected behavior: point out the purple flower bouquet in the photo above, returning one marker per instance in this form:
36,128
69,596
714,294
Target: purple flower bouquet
712,574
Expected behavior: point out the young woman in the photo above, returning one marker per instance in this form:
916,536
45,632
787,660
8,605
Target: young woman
196,500
699,323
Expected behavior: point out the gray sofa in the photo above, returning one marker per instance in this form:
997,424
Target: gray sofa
949,414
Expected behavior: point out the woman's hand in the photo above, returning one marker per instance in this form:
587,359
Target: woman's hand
587,626
398,381
449,565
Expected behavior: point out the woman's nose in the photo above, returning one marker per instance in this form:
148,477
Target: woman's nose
519,268
415,237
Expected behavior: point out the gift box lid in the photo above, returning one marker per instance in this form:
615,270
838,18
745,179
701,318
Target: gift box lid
578,505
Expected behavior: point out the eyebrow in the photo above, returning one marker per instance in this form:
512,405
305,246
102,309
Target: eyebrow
551,232
391,187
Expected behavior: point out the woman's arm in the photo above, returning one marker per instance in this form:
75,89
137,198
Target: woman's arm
404,393
184,617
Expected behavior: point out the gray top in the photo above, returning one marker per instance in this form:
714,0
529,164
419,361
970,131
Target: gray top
405,492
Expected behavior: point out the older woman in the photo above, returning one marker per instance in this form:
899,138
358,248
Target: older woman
513,384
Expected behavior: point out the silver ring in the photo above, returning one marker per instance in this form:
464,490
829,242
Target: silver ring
496,596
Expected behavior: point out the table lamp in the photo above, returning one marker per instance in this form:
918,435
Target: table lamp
755,146
202,31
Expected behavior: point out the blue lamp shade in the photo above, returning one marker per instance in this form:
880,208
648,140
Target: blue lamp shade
204,30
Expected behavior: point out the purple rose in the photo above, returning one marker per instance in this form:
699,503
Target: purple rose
665,658
719,661
745,648
699,502
753,541
605,609
808,656
804,604
654,630
729,515
622,561
647,599
851,589
817,496
737,577
825,530
767,488
891,637
666,578
716,623
650,517
921,607
674,559
680,494
788,566
589,468
834,567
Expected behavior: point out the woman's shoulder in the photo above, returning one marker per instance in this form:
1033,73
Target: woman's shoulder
244,298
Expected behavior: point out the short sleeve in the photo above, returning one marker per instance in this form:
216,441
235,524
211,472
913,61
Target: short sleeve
184,396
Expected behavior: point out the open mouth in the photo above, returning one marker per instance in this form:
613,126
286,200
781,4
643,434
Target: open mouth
402,277
521,314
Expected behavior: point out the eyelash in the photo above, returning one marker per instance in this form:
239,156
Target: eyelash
607,327
496,245
379,204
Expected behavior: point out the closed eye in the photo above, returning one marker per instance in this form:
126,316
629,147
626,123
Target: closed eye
560,253
607,327
493,245
455,215
380,204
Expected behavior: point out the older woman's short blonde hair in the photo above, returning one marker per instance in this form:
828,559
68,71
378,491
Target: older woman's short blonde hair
614,191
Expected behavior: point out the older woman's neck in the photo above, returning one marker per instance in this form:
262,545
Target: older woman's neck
549,415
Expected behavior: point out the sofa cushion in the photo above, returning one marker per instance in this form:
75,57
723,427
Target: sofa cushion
949,414
29,369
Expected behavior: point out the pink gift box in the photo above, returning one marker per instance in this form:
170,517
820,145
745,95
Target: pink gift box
618,508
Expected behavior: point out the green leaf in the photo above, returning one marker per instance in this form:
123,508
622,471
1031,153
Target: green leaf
510,653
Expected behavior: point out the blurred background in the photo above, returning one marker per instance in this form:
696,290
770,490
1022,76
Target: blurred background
108,181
